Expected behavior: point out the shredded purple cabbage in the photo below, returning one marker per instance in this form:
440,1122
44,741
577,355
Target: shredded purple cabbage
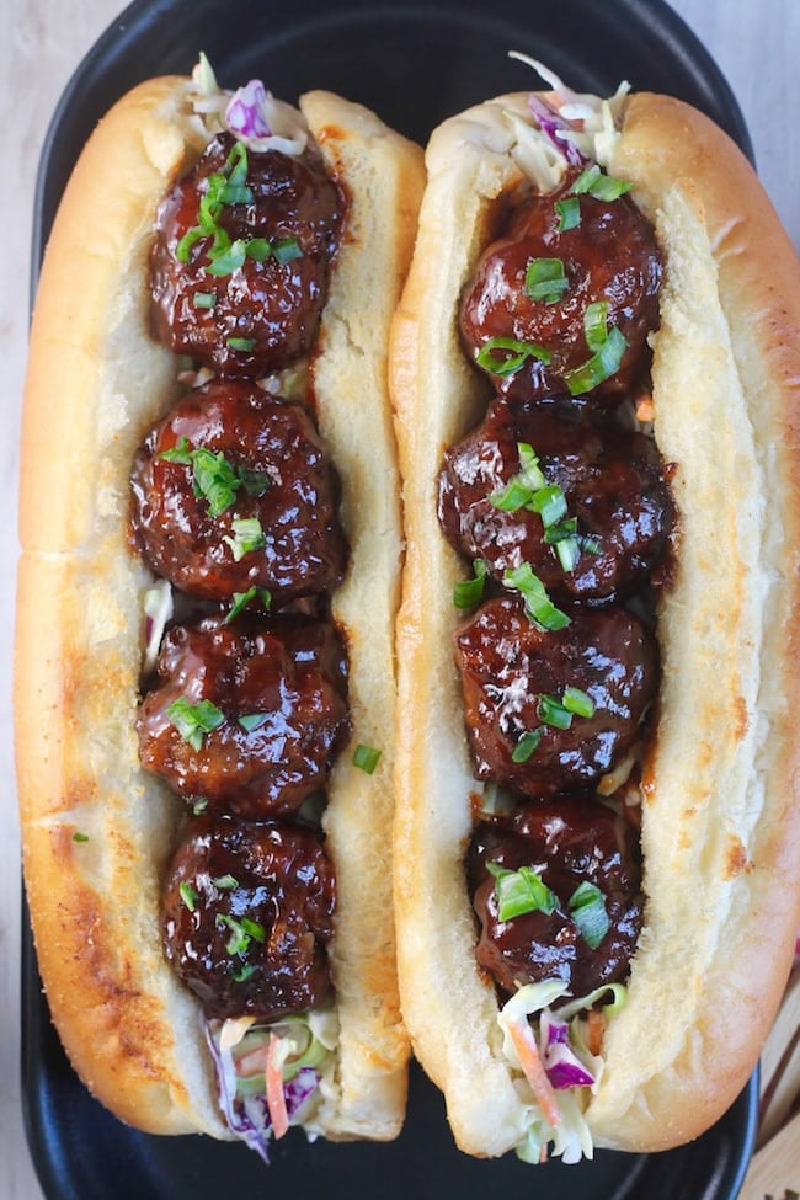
564,1069
244,115
551,123
248,1116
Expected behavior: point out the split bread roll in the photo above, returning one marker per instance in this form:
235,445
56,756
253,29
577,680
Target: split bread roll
720,802
97,382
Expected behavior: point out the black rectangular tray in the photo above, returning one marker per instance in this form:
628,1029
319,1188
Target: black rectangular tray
414,64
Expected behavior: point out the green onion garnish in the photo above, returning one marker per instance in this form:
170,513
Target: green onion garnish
241,343
229,260
507,366
588,910
189,896
213,477
80,837
578,702
552,712
184,246
199,805
242,599
247,536
258,249
236,164
243,932
595,324
519,892
203,300
600,366
244,973
602,187
225,882
366,758
287,250
469,592
569,214
192,721
538,605
251,721
550,503
527,744
231,194
545,280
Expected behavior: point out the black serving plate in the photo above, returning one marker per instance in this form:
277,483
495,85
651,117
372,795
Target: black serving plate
414,63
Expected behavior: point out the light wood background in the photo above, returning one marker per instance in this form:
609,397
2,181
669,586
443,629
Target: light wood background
757,44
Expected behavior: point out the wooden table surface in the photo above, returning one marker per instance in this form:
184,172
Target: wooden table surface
756,43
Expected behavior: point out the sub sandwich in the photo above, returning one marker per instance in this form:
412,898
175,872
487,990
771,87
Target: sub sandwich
207,592
595,369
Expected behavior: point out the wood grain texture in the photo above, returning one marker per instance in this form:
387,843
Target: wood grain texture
754,43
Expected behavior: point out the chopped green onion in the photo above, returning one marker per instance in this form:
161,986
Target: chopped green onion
507,366
519,892
550,503
531,471
595,324
241,343
527,745
568,554
189,896
545,280
247,536
192,721
251,721
244,973
225,882
569,214
203,300
199,805
287,250
258,249
182,453
256,931
236,164
233,194
578,702
80,837
600,366
591,546
538,605
230,260
214,479
469,592
588,910
255,483
561,532
242,599
366,758
184,246
552,712
515,495
602,187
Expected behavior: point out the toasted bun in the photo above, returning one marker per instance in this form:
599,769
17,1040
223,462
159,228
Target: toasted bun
721,810
97,382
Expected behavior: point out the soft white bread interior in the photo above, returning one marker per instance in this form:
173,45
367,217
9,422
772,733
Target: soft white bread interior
721,813
96,384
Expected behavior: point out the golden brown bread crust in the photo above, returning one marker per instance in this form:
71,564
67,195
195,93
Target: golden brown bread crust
721,818
96,383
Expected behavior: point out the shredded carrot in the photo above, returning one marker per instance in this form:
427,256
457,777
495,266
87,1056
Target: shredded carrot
276,1097
527,1052
645,408
595,1028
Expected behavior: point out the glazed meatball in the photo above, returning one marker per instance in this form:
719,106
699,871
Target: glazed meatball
230,452
247,913
611,257
508,664
262,314
567,843
612,480
249,715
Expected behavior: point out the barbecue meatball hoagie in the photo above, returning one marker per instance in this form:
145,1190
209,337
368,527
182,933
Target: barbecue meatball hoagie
208,586
594,370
